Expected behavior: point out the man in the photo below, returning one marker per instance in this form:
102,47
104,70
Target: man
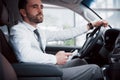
30,48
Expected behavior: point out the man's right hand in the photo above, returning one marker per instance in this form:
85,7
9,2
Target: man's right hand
62,57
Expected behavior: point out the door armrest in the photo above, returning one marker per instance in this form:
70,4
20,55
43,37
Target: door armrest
37,70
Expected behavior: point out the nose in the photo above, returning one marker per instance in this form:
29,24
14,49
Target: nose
40,9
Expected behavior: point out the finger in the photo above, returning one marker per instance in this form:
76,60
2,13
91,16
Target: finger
66,57
62,51
105,24
68,54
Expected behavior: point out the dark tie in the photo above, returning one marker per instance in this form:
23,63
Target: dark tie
39,39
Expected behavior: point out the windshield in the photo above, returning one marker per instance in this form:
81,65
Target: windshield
108,10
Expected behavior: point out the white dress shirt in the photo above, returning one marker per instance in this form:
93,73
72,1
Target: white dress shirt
26,45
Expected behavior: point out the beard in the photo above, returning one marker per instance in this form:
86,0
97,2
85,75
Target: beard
38,18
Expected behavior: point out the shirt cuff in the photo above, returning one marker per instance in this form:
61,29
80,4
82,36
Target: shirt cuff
54,60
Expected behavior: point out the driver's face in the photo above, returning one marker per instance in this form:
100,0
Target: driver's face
34,11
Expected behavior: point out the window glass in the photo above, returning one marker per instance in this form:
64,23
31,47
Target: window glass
108,10
57,18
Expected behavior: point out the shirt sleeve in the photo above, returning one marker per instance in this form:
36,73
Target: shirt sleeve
65,33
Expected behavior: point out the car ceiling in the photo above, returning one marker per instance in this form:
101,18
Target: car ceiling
87,2
63,1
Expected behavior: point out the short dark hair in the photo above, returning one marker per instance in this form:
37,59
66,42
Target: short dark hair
22,4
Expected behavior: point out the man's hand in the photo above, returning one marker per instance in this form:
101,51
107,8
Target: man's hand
62,57
97,24
100,23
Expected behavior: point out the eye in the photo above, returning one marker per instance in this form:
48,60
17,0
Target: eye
41,6
35,6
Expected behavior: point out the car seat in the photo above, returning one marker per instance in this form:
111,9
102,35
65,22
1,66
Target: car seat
11,69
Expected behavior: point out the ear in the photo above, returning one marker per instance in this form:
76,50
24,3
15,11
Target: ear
23,12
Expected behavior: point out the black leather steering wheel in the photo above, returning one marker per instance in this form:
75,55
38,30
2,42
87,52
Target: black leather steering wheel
90,42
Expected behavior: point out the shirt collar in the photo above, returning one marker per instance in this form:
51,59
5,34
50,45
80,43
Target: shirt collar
30,27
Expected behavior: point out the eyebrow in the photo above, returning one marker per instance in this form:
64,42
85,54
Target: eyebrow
37,5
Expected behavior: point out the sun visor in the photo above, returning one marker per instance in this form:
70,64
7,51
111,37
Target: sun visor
71,1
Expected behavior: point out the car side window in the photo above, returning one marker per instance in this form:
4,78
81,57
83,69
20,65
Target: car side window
58,18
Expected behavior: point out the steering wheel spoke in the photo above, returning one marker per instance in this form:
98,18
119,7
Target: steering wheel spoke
90,42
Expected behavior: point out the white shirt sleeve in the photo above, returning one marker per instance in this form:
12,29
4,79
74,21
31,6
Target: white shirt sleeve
65,34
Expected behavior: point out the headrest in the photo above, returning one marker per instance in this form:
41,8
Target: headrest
3,13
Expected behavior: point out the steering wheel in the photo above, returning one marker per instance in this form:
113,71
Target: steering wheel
90,42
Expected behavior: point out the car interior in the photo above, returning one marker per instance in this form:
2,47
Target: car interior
103,42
